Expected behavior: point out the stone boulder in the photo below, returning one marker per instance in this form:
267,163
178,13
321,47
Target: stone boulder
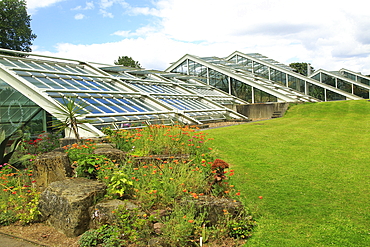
67,141
65,204
214,207
104,212
111,153
51,167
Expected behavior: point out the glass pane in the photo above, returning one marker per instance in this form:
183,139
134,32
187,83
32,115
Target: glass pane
296,83
316,91
361,91
330,80
334,96
345,86
241,90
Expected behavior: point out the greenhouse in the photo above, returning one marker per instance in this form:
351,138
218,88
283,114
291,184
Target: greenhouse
257,79
34,88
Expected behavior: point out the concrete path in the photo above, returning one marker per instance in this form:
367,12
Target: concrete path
11,241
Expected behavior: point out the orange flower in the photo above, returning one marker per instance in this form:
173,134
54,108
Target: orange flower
190,221
238,194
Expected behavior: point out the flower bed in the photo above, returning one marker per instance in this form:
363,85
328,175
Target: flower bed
166,172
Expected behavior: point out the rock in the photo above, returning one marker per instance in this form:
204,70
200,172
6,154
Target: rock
215,207
51,167
158,242
104,212
65,204
158,227
112,154
67,141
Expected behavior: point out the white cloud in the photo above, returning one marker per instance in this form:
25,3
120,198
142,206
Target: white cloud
79,16
89,5
329,34
105,13
104,4
33,5
141,32
143,11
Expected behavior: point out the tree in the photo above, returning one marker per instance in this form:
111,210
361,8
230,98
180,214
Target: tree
15,30
127,61
301,68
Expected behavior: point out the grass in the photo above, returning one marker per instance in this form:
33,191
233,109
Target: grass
312,169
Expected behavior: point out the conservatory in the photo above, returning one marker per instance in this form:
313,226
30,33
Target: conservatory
194,90
34,89
258,79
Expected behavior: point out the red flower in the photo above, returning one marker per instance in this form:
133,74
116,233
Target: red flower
218,163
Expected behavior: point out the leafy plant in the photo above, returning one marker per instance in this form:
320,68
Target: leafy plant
104,236
7,217
121,138
241,227
135,226
89,166
18,198
44,143
71,114
95,166
5,157
29,212
161,140
76,151
180,226
119,184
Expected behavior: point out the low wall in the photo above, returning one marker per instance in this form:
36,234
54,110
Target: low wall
263,110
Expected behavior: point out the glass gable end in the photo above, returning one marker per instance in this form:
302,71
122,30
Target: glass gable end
284,75
344,81
229,75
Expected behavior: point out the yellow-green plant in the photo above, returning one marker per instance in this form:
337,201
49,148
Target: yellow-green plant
19,198
71,115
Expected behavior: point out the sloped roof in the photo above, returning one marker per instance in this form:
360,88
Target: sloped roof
114,95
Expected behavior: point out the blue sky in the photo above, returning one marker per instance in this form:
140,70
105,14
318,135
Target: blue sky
85,22
330,34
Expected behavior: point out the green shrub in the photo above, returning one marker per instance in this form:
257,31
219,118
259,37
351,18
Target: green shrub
104,236
7,217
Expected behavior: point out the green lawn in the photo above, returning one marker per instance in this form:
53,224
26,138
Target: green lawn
312,168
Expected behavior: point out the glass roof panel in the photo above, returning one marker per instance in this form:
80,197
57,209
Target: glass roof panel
126,95
51,83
